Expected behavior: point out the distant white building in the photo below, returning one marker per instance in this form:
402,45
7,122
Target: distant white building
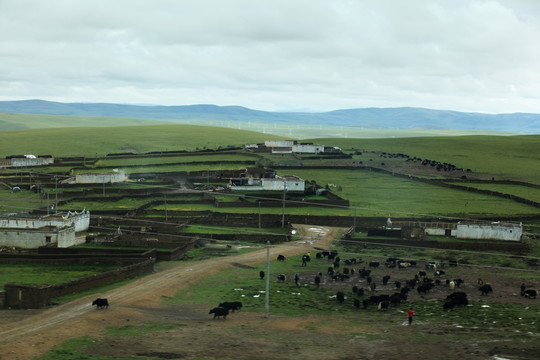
34,238
79,220
279,183
307,149
98,178
493,231
26,161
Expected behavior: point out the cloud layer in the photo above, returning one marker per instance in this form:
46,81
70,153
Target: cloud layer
308,55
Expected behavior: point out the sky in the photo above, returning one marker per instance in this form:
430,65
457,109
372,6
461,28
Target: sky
275,55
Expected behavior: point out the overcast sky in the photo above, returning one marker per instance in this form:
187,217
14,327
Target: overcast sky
290,55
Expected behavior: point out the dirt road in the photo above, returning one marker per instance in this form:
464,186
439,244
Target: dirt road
25,334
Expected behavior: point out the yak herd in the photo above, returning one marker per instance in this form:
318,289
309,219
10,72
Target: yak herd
419,280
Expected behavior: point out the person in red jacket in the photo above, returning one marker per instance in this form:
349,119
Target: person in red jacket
411,314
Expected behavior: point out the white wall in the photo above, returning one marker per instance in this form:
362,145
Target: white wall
34,238
494,231
80,220
308,149
31,162
108,178
282,143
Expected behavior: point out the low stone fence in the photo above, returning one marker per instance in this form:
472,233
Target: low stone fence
25,296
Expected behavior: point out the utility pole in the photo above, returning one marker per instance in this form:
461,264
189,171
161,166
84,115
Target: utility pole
267,292
166,218
55,193
354,224
48,206
283,210
259,214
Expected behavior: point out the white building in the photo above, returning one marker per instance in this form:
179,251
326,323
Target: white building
290,183
27,161
34,238
79,220
307,149
98,178
493,231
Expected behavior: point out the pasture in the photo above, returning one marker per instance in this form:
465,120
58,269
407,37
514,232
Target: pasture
309,322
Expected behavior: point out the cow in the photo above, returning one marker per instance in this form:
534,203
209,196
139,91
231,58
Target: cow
233,305
385,279
374,264
425,288
458,298
397,284
530,293
281,277
219,311
101,303
317,280
340,297
261,274
281,257
485,289
356,303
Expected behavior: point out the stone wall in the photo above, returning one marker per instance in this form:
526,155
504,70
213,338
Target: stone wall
23,296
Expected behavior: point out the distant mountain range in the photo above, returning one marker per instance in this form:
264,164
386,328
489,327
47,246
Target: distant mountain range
369,118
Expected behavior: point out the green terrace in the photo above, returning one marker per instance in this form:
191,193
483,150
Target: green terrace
525,192
145,161
167,168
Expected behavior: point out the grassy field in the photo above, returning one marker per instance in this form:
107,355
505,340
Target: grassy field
96,141
174,159
47,274
517,190
505,157
385,195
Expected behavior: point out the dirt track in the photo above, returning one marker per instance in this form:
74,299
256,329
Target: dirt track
25,334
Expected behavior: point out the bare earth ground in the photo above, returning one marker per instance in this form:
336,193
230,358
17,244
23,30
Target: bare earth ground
25,334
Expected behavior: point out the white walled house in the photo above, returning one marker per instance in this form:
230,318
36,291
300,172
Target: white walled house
98,178
79,220
307,149
493,231
279,143
34,238
290,183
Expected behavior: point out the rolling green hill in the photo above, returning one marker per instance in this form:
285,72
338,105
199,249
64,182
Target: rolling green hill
99,141
504,157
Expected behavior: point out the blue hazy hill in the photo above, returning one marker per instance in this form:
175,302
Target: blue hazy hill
369,118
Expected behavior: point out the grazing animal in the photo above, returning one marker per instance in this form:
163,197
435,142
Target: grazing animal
101,303
422,273
219,311
385,279
281,277
383,305
530,293
485,289
234,305
372,286
451,285
317,280
458,298
281,257
365,303
356,303
340,297
374,264
398,284
355,289
424,288
360,292
261,274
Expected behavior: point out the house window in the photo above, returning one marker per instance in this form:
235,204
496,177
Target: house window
47,239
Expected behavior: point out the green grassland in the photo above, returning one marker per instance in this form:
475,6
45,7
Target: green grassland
174,159
40,121
503,157
516,190
376,194
99,141
47,274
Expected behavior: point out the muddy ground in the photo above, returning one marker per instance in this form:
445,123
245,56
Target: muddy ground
26,334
